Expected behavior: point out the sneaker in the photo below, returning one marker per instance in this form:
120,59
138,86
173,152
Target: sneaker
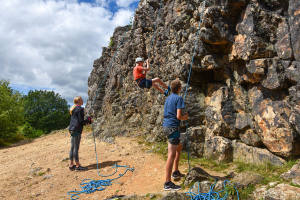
79,169
166,93
171,186
72,168
169,88
177,175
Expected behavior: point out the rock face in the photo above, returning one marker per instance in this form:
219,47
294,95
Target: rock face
244,83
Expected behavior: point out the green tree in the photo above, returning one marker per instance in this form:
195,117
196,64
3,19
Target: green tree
11,110
46,111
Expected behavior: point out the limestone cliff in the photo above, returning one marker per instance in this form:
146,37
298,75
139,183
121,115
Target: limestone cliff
243,93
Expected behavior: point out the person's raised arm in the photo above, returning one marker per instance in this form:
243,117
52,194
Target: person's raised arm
147,68
185,116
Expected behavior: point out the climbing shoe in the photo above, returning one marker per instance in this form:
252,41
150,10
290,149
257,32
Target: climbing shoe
166,93
177,175
79,169
169,88
171,186
72,168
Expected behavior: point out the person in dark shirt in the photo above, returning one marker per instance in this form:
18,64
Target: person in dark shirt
172,116
75,128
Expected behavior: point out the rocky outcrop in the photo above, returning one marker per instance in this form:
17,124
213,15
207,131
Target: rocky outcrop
293,173
255,155
244,83
282,191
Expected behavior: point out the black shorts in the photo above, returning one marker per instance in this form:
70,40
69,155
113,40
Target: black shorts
173,135
145,83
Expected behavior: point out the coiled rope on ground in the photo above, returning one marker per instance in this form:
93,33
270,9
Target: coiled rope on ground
89,185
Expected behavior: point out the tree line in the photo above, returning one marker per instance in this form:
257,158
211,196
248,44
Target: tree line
39,112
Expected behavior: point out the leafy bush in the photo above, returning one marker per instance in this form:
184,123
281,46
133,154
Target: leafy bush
11,110
27,131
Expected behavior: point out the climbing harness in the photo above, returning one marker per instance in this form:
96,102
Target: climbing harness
89,185
211,195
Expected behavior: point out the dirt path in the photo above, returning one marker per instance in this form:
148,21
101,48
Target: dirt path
49,151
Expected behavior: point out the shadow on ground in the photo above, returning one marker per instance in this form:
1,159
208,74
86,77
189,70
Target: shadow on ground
103,164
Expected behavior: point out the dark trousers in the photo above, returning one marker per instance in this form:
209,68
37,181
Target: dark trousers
75,142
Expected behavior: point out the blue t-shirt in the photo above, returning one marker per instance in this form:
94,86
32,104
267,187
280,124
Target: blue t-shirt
172,104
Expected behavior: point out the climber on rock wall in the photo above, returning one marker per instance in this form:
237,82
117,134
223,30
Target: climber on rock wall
139,73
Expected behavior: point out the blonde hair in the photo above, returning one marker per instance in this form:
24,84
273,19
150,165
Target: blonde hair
75,101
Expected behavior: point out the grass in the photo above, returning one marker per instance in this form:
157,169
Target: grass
268,171
294,185
9,141
41,173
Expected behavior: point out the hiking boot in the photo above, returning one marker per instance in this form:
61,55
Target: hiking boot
166,93
171,186
72,168
79,169
177,175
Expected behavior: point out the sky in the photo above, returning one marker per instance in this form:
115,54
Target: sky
52,44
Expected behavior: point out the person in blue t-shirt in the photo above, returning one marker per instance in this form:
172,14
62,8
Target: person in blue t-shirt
172,116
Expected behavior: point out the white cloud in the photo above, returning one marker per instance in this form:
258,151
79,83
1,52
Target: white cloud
52,44
125,3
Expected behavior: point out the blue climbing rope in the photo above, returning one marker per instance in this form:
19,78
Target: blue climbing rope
89,185
187,133
212,195
155,29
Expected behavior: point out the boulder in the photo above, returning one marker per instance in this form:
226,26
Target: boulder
244,179
293,173
205,186
272,121
251,138
282,191
219,148
260,192
196,174
254,155
173,195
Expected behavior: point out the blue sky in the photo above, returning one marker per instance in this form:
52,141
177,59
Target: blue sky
52,44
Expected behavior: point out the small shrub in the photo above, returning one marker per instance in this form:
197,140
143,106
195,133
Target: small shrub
27,131
111,42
